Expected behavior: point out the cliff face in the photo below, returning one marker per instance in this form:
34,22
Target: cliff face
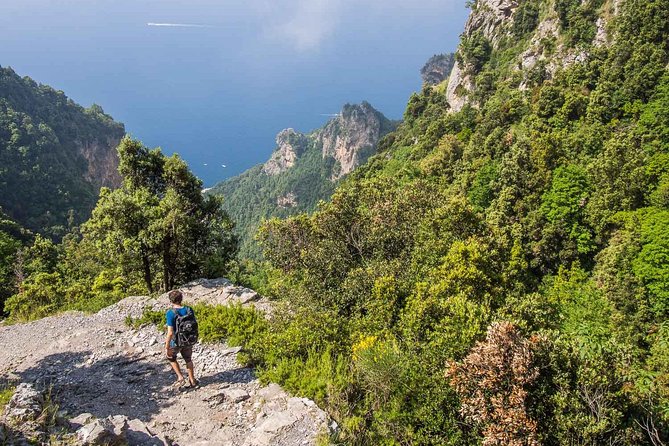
532,36
351,137
55,155
489,18
437,68
290,145
302,170
102,159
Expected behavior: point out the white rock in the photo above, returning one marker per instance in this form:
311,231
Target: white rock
236,395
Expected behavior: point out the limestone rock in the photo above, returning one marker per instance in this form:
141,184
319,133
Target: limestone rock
138,434
288,200
236,395
352,136
437,68
25,405
81,420
289,146
100,432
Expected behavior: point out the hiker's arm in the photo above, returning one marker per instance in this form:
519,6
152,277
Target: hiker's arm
170,333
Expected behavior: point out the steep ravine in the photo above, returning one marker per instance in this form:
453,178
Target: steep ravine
104,373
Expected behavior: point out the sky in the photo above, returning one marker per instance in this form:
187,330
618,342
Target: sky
216,80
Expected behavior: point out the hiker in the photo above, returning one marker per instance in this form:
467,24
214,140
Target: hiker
182,334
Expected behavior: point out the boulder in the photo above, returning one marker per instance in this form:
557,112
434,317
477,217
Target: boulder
101,432
138,434
25,405
80,420
235,395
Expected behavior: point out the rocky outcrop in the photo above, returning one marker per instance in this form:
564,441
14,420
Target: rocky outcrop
489,18
290,145
24,419
437,68
102,160
352,136
547,30
547,48
349,138
115,387
302,171
286,201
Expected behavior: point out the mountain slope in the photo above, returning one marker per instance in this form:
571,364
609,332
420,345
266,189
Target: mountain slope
497,274
303,169
54,154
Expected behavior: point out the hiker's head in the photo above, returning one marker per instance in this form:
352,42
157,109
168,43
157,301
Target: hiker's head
175,297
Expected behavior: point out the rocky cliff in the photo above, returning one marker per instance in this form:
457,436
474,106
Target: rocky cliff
437,68
537,39
303,169
55,155
290,145
102,161
352,136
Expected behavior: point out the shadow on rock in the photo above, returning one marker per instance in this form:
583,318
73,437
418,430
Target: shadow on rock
243,375
114,385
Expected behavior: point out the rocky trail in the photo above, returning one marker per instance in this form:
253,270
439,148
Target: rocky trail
113,384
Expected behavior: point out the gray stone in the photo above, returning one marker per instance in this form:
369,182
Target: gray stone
80,420
25,405
120,423
138,434
231,351
278,421
99,432
271,392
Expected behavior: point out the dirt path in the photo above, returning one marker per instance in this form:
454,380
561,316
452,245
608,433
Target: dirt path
96,364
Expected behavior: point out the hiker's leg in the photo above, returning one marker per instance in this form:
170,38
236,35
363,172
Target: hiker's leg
177,370
187,354
172,358
191,372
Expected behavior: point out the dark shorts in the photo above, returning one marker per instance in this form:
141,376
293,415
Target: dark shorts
186,353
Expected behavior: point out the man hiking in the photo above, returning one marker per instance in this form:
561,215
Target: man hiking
182,334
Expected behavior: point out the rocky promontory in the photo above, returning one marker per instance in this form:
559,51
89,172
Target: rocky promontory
111,383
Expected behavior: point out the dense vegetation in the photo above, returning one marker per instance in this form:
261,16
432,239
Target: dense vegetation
255,196
45,183
42,138
499,275
252,196
155,231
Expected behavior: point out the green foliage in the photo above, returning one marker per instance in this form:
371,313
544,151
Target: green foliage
563,204
43,136
158,225
578,19
6,393
154,232
473,52
148,317
234,324
526,18
545,207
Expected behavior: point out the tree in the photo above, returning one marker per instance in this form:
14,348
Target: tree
158,224
491,382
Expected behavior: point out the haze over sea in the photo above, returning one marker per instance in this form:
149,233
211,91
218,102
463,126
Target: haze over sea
218,93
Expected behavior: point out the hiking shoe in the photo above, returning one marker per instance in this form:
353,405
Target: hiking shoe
179,384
